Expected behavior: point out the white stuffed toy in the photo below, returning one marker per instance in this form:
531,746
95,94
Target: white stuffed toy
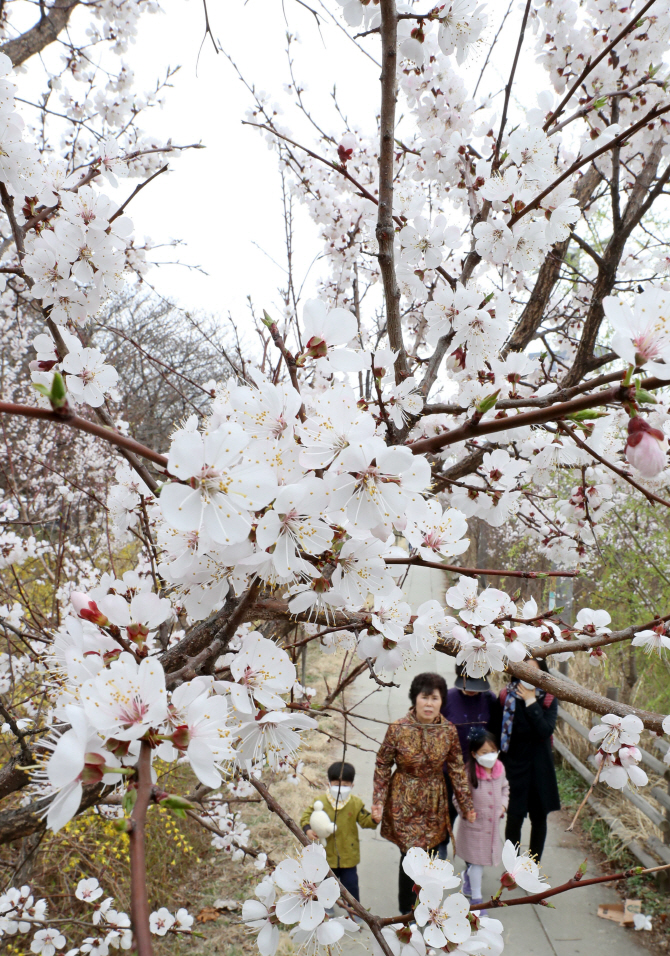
321,823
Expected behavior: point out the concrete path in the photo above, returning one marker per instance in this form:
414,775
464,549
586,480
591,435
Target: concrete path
573,927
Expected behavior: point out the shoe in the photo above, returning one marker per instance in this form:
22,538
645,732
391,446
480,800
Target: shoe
330,911
474,904
466,889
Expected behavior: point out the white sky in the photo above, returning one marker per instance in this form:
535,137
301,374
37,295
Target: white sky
223,202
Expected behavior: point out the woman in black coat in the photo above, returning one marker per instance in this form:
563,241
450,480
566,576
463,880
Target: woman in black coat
528,722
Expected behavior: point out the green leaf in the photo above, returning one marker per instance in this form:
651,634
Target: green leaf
642,395
267,320
129,800
487,403
58,395
587,414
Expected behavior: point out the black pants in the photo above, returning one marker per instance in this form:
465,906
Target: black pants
538,830
348,877
406,896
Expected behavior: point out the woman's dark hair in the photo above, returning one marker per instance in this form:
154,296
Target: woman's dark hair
341,771
426,684
477,737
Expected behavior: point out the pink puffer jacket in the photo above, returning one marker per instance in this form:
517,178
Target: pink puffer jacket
480,842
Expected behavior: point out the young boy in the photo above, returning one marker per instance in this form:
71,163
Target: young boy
348,813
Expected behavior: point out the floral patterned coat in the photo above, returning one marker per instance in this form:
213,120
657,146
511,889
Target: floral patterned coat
414,796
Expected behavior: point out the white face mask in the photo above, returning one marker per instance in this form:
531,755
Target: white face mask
487,760
524,683
339,791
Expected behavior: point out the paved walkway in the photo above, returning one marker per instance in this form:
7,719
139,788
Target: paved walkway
573,927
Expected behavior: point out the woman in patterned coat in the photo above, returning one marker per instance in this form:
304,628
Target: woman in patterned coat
411,801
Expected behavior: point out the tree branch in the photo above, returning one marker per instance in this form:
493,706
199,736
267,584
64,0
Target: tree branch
385,227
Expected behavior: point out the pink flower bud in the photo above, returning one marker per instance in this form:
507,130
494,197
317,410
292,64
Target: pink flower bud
88,609
645,448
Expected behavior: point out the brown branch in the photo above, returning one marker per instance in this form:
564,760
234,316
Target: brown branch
653,114
592,64
82,424
207,640
385,228
475,572
139,902
588,794
473,429
508,87
597,640
573,884
39,36
649,495
136,190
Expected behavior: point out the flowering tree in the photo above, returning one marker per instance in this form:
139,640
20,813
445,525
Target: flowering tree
489,340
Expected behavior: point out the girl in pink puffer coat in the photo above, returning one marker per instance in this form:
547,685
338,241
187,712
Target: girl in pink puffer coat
479,843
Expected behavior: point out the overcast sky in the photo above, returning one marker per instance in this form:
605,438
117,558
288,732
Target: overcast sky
224,202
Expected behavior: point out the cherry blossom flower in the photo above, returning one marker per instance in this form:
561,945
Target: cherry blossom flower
89,379
473,608
360,571
275,736
521,870
593,622
480,654
653,640
47,941
222,490
160,921
427,870
445,305
75,760
382,486
460,26
438,532
642,334
266,412
614,732
326,935
257,914
324,335
622,769
262,671
427,627
293,524
561,220
445,921
334,422
88,890
403,401
126,699
646,447
402,941
424,240
201,730
494,241
308,890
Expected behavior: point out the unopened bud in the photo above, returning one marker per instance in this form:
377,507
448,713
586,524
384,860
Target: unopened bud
487,403
87,609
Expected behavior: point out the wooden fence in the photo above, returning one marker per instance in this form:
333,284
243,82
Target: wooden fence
651,850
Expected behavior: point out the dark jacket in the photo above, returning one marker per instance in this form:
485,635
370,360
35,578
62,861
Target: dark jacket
466,712
529,762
